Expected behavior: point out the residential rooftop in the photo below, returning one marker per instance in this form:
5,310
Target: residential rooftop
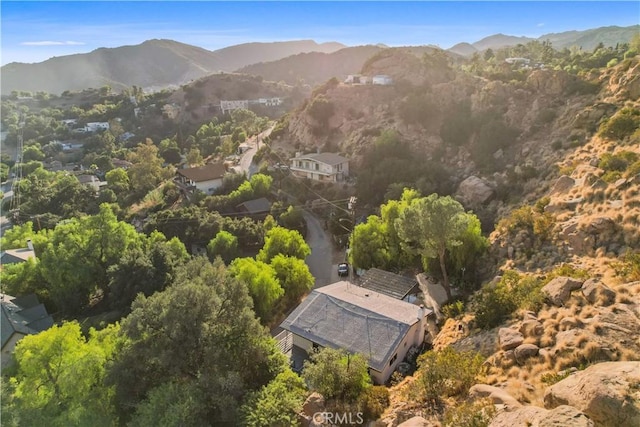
327,158
359,320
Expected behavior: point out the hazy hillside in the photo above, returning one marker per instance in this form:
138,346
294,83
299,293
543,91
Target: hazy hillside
152,64
315,67
497,41
587,39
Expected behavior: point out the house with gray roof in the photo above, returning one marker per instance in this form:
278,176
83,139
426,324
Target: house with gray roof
323,167
346,316
20,317
14,256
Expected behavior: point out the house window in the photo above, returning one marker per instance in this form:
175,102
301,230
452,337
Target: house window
393,359
317,166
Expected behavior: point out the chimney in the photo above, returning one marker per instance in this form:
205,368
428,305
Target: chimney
421,312
30,244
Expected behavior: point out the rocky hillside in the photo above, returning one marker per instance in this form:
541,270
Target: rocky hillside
551,162
153,64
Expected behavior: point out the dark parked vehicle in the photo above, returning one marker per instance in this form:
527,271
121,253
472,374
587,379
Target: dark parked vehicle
343,269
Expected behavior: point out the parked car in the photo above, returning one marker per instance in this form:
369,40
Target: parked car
343,269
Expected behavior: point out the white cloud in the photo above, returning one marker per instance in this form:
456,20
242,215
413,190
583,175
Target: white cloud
540,25
52,43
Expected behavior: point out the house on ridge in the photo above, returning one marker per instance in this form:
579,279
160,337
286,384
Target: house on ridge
346,316
323,167
207,178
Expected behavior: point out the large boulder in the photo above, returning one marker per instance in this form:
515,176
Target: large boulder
475,191
509,338
525,351
415,422
608,393
597,292
497,395
533,416
563,184
559,289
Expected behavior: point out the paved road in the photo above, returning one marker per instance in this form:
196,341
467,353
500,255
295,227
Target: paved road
246,161
321,261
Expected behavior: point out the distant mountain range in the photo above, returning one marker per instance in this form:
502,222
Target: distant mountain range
587,39
156,64
152,64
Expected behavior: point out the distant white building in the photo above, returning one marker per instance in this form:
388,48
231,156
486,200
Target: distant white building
382,79
357,79
324,167
96,126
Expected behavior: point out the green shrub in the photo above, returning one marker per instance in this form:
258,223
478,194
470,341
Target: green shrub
374,401
633,170
446,373
453,310
494,304
567,270
622,124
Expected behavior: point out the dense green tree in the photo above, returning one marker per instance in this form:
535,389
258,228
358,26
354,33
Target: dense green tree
200,340
294,277
337,374
224,245
59,378
118,180
144,270
280,240
277,404
262,283
78,254
430,226
194,158
146,171
31,153
369,244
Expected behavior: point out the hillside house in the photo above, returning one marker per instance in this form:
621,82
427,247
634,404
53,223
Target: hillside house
357,79
323,167
20,317
207,178
346,316
96,126
382,79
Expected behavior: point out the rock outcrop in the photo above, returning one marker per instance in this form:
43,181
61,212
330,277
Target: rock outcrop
475,191
559,289
597,292
533,416
497,395
608,393
509,338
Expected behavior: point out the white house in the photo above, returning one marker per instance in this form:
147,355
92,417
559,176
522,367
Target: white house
206,178
356,79
96,126
382,79
324,167
356,319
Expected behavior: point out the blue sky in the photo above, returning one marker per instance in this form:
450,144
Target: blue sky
33,31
